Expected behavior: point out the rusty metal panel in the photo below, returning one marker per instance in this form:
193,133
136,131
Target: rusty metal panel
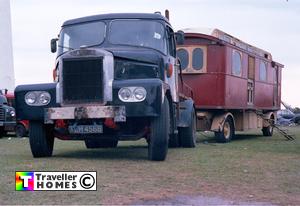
87,112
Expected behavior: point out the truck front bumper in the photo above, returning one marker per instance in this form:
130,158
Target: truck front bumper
118,113
8,126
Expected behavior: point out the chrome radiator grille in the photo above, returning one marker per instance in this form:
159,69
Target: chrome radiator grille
83,80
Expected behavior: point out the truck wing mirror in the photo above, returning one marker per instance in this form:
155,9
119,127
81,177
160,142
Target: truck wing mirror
179,35
53,45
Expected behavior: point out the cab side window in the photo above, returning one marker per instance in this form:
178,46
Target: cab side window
171,42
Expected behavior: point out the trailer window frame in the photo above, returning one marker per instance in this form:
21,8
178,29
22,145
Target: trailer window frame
236,71
275,75
190,49
201,62
186,63
263,71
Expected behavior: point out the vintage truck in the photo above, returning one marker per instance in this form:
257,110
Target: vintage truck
7,116
236,86
116,78
22,126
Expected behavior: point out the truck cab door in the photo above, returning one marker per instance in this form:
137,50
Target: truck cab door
172,69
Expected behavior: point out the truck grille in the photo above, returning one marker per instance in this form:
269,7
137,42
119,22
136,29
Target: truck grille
83,80
2,114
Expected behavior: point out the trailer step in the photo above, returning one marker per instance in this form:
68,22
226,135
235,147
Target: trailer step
283,132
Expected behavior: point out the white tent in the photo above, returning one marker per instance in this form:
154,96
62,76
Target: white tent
7,77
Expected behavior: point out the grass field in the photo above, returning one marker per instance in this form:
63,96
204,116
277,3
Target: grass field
251,168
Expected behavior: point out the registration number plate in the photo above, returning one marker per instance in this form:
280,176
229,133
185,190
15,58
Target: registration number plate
86,129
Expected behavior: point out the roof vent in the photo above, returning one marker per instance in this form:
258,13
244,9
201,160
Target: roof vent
266,56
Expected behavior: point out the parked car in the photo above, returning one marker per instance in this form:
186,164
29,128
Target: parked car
22,126
286,117
7,117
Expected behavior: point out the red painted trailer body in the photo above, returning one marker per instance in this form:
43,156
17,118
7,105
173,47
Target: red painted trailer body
228,75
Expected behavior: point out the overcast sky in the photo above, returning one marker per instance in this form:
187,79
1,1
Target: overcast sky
273,25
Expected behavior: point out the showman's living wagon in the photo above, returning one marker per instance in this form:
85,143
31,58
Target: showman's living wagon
236,86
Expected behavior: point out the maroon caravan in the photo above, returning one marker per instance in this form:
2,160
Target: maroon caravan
236,86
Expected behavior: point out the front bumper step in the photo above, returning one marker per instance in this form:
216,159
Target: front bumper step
118,113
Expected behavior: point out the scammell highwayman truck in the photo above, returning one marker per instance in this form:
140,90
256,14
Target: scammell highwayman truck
116,78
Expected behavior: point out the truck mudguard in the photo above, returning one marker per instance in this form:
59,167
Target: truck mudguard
218,121
185,109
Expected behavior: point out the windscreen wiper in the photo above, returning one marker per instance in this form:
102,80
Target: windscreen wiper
64,47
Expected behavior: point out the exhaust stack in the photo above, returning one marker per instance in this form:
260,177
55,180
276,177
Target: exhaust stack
167,14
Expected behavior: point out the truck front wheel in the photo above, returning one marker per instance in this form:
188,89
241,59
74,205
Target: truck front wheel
227,132
104,143
41,139
160,130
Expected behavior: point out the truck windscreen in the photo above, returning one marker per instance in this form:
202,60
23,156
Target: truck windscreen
144,33
75,36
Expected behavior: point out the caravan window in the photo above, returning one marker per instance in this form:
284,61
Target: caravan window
263,71
236,63
183,56
197,59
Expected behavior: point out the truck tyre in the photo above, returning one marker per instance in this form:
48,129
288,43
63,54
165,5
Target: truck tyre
267,131
20,130
160,130
188,134
104,143
227,132
41,139
174,140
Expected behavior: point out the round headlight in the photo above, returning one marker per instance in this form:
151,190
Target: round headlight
44,98
30,98
124,94
140,93
37,98
12,113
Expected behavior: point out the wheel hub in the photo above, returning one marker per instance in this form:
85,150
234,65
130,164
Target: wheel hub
226,130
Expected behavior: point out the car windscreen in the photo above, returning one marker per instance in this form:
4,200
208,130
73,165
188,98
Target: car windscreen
3,100
143,33
75,36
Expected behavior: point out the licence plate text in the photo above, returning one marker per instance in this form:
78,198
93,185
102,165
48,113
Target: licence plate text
86,129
